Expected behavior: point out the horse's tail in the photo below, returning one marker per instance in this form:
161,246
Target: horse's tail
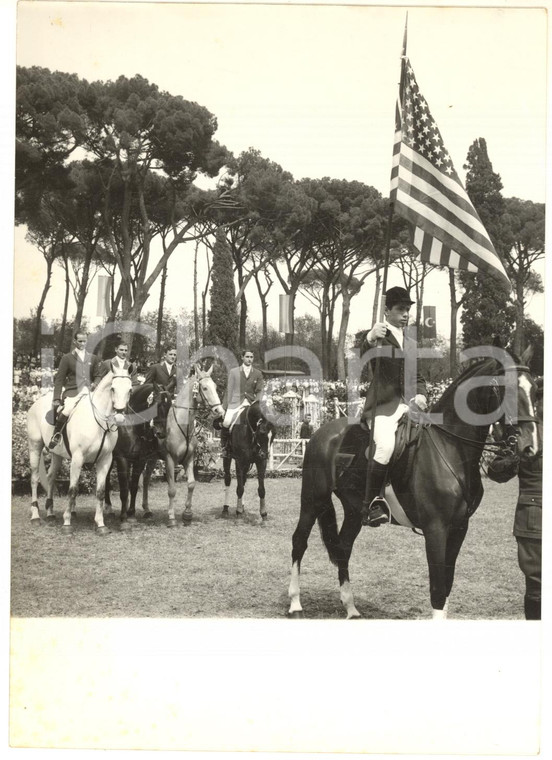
327,522
316,494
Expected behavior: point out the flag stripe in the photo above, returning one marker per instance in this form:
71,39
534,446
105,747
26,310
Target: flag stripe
432,181
463,244
450,218
427,191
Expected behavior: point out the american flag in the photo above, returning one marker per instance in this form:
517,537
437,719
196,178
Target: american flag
427,191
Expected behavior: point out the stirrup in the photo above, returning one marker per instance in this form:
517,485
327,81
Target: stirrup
56,439
378,513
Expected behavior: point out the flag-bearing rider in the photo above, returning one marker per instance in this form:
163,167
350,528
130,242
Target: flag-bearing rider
245,386
387,393
77,370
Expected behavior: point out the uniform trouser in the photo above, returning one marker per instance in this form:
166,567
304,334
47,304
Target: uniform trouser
530,563
385,428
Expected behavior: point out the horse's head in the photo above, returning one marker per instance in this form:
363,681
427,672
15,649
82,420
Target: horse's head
205,388
263,435
121,384
163,399
521,425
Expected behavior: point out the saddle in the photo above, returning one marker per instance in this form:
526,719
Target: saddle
351,461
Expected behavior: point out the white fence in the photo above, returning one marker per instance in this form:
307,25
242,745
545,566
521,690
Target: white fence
286,453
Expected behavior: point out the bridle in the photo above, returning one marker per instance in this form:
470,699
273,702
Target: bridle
507,444
197,390
108,419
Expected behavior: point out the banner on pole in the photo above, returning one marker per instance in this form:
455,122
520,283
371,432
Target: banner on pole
104,295
427,191
285,314
430,325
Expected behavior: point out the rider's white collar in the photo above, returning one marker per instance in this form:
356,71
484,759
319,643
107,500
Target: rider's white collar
397,332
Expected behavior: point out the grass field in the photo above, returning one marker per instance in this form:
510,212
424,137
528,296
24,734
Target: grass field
239,568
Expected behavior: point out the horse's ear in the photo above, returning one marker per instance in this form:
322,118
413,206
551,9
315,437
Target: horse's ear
527,355
210,369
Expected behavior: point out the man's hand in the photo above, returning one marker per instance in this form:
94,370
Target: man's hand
379,330
420,401
57,403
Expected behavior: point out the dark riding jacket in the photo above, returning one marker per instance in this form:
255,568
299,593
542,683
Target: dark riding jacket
73,374
158,374
391,378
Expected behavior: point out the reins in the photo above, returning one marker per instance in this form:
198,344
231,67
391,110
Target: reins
508,445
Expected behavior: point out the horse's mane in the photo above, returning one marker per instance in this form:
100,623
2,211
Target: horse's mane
481,367
140,394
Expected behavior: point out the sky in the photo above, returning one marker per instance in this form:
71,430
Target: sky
314,89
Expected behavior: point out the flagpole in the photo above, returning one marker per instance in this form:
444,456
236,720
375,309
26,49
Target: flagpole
375,379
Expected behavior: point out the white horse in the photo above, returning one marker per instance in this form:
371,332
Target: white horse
91,437
181,439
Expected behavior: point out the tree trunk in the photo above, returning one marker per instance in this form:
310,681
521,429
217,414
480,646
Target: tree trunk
243,320
329,337
40,307
520,314
61,338
375,310
81,297
196,315
345,314
160,311
204,301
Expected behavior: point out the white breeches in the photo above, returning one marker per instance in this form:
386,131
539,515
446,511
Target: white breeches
385,428
232,413
70,402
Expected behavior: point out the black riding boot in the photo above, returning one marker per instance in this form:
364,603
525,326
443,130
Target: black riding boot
59,424
224,442
375,510
532,609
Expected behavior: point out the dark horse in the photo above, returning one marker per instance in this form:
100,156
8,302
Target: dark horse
139,445
437,482
250,441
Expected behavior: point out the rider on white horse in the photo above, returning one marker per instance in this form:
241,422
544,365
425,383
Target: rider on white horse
77,370
245,386
387,391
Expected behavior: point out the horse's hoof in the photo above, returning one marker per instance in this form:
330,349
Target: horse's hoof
36,522
186,518
125,525
239,514
67,530
74,513
171,523
102,530
296,614
148,515
264,515
50,518
225,512
356,616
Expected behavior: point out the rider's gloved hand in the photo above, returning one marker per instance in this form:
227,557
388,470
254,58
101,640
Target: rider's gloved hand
379,330
57,403
420,401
